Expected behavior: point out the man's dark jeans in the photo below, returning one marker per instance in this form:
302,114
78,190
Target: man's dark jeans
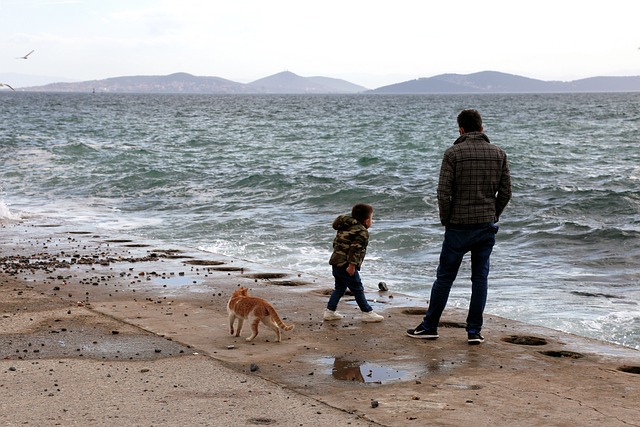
478,239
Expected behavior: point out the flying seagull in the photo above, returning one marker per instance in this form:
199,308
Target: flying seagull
4,84
26,56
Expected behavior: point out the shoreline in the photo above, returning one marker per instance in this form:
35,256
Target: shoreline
132,306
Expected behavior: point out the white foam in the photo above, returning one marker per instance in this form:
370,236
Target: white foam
224,247
100,213
6,214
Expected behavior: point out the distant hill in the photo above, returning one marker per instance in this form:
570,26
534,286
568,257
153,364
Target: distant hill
285,82
496,82
289,83
173,83
24,80
605,84
338,84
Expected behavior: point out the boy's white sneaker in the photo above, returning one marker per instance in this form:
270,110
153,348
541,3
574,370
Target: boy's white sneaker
372,316
331,315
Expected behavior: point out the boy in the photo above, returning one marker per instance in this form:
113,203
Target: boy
349,249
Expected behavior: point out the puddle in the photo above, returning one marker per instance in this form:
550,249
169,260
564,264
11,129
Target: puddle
629,369
176,256
525,340
563,354
204,262
350,370
226,269
412,311
267,276
167,251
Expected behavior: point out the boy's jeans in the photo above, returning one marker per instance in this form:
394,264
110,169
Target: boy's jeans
478,239
344,281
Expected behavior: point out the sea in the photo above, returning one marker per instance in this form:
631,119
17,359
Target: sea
262,177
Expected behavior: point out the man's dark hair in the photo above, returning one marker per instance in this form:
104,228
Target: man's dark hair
470,120
361,212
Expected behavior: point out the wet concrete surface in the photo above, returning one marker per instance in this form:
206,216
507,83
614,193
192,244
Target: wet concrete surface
78,297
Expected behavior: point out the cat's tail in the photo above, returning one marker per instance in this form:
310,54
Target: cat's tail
279,322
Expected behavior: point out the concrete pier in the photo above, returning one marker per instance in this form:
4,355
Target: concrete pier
103,331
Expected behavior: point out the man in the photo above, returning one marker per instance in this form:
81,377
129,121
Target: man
474,187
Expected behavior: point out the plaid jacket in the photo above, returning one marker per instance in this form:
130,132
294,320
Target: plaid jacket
474,184
350,243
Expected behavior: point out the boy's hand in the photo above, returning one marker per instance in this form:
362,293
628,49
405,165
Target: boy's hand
351,269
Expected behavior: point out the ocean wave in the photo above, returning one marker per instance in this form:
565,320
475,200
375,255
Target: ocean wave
74,149
6,214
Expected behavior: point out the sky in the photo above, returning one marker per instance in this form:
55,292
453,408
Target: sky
372,43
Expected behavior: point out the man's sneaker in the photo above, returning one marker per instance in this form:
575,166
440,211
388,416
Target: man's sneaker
371,316
421,332
331,315
475,338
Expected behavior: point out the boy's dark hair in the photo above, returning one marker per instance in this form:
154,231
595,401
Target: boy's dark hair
470,120
361,212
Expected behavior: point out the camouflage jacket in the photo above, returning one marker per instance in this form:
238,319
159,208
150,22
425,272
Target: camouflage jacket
350,243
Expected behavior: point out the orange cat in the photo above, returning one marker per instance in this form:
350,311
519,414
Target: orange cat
242,306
